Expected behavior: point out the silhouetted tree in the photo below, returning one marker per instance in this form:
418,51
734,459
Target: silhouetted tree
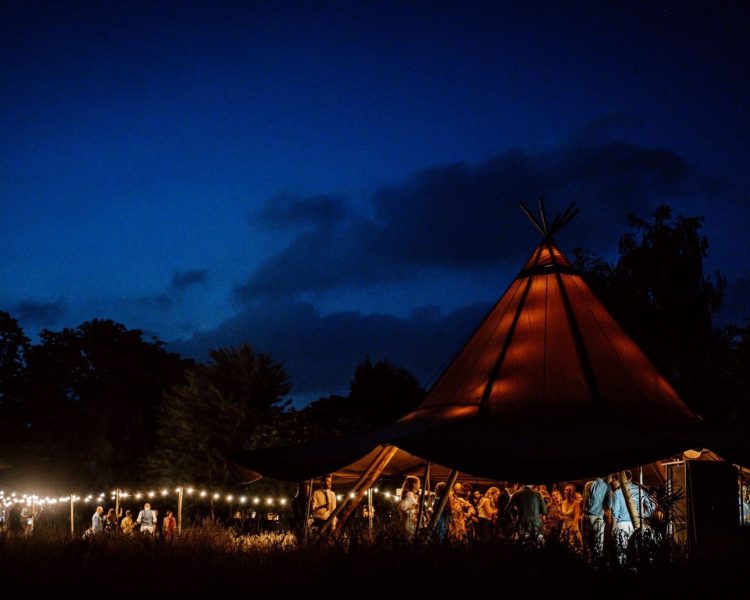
14,346
93,391
659,292
231,404
379,394
382,393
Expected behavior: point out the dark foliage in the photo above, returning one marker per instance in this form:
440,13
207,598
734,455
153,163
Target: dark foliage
232,404
86,404
658,291
380,393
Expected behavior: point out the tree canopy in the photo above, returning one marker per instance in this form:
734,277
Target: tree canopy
660,294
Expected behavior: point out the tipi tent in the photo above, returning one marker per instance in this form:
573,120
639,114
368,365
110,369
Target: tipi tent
549,387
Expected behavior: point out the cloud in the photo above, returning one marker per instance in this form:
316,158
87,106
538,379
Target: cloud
182,280
320,352
462,216
286,210
43,314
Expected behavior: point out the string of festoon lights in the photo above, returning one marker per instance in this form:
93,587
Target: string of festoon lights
191,492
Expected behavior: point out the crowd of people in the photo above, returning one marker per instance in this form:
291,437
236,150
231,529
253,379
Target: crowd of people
580,519
146,523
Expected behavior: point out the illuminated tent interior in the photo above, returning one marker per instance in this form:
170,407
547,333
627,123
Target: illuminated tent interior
548,388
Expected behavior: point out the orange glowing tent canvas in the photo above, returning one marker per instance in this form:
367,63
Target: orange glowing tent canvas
549,387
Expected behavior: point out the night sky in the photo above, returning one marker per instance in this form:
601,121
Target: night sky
335,180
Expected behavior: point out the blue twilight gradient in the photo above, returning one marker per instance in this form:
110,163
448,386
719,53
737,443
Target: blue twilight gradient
274,172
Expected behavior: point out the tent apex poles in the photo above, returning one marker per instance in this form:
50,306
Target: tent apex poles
532,218
543,216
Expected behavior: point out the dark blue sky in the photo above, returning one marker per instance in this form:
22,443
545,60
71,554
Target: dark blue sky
330,180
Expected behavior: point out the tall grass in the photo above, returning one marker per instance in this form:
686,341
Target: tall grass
208,561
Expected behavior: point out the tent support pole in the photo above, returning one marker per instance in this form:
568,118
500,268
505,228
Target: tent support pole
179,510
635,515
420,512
364,484
365,476
369,511
443,500
306,530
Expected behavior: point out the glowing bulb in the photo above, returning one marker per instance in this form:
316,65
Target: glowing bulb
242,499
190,490
229,498
256,500
217,496
164,492
283,501
138,496
269,500
203,494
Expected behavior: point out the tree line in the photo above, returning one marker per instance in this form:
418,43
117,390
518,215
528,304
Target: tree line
100,403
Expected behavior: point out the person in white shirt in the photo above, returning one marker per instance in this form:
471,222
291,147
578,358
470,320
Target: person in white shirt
323,502
408,507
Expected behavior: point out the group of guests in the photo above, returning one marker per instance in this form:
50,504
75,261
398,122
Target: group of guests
531,512
146,523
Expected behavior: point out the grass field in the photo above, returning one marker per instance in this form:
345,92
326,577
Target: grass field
209,562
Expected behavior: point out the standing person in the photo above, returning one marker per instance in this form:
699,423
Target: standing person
530,507
443,523
14,520
147,520
554,521
622,524
408,507
596,498
570,511
487,513
127,525
324,503
505,514
97,520
110,521
461,510
744,505
169,526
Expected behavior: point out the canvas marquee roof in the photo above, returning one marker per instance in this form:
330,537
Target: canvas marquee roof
549,387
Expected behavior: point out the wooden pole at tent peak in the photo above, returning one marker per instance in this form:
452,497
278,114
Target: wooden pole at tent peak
443,500
72,516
